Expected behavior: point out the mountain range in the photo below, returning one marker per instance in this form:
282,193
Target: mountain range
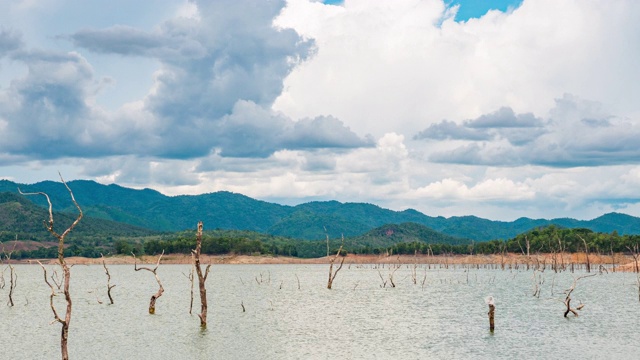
149,210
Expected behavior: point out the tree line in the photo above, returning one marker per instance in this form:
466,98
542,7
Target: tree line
540,240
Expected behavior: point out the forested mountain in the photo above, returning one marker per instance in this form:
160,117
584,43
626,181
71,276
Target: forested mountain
311,221
20,217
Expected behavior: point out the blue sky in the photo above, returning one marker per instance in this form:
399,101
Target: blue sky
477,8
490,108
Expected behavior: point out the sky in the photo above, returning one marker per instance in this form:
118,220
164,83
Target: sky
498,109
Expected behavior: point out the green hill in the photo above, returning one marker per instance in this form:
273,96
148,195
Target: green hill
22,218
391,234
150,209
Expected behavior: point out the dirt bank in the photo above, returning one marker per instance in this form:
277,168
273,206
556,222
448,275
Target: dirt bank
622,262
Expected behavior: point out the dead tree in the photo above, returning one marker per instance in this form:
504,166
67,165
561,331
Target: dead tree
392,271
2,283
635,253
327,235
154,297
65,268
384,282
414,269
109,286
13,276
492,309
332,274
190,277
586,250
202,278
567,299
537,281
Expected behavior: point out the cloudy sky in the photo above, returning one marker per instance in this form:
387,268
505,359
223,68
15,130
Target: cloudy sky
498,109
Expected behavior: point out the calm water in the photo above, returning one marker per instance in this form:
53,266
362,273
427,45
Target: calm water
444,319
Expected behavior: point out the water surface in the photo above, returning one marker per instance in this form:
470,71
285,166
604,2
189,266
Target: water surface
289,314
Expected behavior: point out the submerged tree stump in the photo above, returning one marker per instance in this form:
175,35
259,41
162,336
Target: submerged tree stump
492,309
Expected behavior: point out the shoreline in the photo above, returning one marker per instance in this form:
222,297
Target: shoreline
622,262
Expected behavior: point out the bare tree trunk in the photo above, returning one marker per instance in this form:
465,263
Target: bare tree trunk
635,253
13,281
202,278
332,275
190,277
154,297
109,286
586,249
567,299
13,276
414,270
492,309
64,336
327,236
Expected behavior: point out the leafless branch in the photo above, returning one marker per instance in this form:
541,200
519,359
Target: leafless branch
65,269
154,297
109,286
332,275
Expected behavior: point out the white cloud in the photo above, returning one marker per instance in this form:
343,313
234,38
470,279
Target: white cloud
384,66
500,189
528,113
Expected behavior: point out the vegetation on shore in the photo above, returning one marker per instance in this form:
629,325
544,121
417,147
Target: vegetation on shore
546,240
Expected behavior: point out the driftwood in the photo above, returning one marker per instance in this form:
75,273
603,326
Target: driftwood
154,297
202,278
65,268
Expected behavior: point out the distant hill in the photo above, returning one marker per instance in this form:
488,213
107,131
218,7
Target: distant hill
311,221
22,218
391,234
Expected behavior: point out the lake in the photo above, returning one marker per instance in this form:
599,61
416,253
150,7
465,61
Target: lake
290,314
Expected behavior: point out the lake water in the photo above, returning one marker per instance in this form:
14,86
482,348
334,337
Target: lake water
291,315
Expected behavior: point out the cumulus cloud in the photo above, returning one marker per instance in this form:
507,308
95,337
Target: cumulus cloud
46,112
500,189
168,43
411,62
141,171
275,102
505,118
577,133
450,130
503,123
220,70
9,41
253,131
230,52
